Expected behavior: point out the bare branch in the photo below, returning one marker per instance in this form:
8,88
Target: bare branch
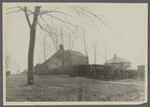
72,44
62,20
21,8
26,14
39,35
52,11
48,27
85,15
69,51
8,61
44,47
95,46
50,31
85,45
106,51
96,17
56,8
69,28
84,42
90,19
79,14
42,27
47,32
11,8
13,12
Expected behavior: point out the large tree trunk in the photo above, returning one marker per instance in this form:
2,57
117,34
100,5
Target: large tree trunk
31,47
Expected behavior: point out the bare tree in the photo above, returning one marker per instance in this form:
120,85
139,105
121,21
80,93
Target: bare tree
18,66
106,51
32,39
32,42
65,39
65,54
8,62
32,27
85,48
81,12
95,47
106,54
44,47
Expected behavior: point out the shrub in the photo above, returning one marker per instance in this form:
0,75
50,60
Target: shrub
117,73
70,70
8,73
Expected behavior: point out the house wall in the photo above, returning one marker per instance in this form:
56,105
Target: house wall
127,65
37,67
141,68
52,63
120,65
55,62
78,60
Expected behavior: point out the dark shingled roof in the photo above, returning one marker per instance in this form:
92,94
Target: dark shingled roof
75,53
117,60
72,53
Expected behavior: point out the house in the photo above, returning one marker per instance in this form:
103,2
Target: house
141,71
141,68
62,57
118,63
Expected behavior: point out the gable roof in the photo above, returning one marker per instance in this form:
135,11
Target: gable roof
117,60
75,53
37,65
72,53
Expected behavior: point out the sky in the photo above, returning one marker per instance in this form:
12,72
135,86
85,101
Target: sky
123,31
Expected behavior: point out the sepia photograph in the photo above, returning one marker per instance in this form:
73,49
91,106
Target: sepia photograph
75,53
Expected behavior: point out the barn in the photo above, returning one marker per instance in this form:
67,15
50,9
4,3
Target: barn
62,58
118,63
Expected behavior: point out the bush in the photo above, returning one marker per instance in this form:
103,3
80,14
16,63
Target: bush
141,75
8,73
42,72
131,74
123,74
70,70
67,70
117,73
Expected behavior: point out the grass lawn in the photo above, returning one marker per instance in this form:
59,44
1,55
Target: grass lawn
63,88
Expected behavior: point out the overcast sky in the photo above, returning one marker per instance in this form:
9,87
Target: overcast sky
127,37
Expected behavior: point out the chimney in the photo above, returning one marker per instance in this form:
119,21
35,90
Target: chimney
114,57
61,47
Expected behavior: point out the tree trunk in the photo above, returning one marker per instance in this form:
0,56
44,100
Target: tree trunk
85,49
31,47
44,48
